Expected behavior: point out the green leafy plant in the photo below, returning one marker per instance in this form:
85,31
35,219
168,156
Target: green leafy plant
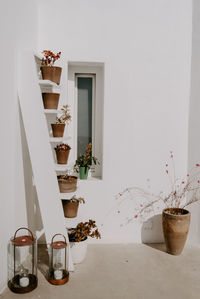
84,230
86,160
49,58
65,115
77,199
62,147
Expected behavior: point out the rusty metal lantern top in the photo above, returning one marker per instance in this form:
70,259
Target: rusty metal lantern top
25,240
58,244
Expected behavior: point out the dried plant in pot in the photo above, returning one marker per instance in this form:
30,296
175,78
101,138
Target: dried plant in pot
59,127
48,70
50,100
67,183
70,207
84,162
62,153
78,239
184,191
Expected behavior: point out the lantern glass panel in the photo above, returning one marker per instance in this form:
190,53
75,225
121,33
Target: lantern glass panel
22,262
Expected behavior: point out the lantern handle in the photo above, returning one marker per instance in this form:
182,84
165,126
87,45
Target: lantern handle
23,228
58,235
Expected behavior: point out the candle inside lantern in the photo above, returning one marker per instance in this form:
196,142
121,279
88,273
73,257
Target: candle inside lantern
24,282
58,274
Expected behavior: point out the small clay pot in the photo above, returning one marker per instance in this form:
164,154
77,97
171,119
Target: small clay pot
70,208
52,73
58,130
176,223
62,156
50,100
67,185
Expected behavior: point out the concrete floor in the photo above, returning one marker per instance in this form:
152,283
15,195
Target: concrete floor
134,271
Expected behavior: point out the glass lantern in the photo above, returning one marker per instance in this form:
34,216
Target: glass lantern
58,269
22,262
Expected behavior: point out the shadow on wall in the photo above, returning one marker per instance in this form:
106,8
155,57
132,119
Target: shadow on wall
194,112
151,231
32,206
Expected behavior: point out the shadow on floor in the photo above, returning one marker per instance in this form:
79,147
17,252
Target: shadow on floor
160,246
43,259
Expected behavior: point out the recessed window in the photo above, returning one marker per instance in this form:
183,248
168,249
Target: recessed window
85,97
85,87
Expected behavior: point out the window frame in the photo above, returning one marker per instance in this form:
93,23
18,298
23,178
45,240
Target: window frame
86,69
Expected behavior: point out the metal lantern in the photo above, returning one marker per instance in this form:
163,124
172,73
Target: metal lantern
22,262
58,273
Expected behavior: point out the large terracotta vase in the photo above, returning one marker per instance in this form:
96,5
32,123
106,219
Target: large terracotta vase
52,73
176,223
70,208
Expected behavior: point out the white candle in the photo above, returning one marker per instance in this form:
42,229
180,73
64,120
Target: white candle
58,274
24,282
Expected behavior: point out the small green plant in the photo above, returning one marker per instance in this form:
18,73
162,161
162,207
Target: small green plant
65,115
77,199
84,230
49,58
86,160
62,147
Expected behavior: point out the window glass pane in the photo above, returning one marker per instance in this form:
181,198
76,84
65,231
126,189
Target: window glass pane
84,113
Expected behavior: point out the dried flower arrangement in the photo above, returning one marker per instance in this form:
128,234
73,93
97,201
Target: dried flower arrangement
84,230
65,115
184,191
77,199
50,58
86,160
62,147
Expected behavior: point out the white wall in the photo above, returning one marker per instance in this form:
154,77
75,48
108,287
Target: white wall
146,48
194,120
18,25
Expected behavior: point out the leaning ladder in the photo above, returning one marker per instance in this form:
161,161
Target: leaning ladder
40,149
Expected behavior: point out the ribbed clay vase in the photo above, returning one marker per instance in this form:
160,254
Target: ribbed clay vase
52,73
176,223
70,208
68,184
58,130
50,100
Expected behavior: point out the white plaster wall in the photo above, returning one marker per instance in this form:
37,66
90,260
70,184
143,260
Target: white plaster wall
18,30
146,48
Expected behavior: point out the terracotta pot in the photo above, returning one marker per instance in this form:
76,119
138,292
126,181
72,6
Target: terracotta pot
58,130
70,208
52,73
176,223
50,100
67,185
62,156
78,251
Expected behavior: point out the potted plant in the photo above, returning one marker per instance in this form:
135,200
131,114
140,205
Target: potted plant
70,207
50,100
67,183
59,127
78,239
175,217
84,162
48,70
62,153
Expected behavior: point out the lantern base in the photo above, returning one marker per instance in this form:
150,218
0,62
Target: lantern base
54,281
15,287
